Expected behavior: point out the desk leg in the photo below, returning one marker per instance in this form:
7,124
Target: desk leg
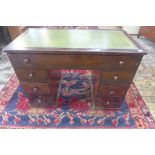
55,81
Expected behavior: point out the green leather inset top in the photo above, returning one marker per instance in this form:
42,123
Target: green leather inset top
48,38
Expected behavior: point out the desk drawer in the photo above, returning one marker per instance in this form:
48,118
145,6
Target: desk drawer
112,90
117,77
36,88
108,102
78,61
41,101
32,75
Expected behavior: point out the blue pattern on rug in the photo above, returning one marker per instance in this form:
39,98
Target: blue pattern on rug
75,87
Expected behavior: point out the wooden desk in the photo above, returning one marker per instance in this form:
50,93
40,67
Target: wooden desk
112,53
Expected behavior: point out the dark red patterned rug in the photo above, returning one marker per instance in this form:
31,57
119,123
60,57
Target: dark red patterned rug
74,107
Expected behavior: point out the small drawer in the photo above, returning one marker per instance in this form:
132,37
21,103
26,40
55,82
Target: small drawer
108,102
32,75
36,88
41,101
116,77
74,61
112,90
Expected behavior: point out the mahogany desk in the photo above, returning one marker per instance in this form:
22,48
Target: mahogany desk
110,52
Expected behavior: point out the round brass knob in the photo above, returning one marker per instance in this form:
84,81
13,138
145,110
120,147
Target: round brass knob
107,102
115,77
31,75
35,89
121,62
26,60
40,100
111,92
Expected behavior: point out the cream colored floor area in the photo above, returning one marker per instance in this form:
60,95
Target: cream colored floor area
145,76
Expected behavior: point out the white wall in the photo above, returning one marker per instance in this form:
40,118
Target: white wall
131,29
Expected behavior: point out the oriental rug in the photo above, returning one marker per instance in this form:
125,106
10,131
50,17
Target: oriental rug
74,110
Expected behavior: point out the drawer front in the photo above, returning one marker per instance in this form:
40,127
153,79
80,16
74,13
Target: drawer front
75,61
36,88
117,77
32,75
108,102
112,90
41,101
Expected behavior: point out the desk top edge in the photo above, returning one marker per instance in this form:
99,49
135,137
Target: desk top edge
11,49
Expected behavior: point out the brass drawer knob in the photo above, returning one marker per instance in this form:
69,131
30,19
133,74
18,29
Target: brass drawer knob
107,102
121,62
115,77
31,75
40,100
111,92
26,60
35,89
